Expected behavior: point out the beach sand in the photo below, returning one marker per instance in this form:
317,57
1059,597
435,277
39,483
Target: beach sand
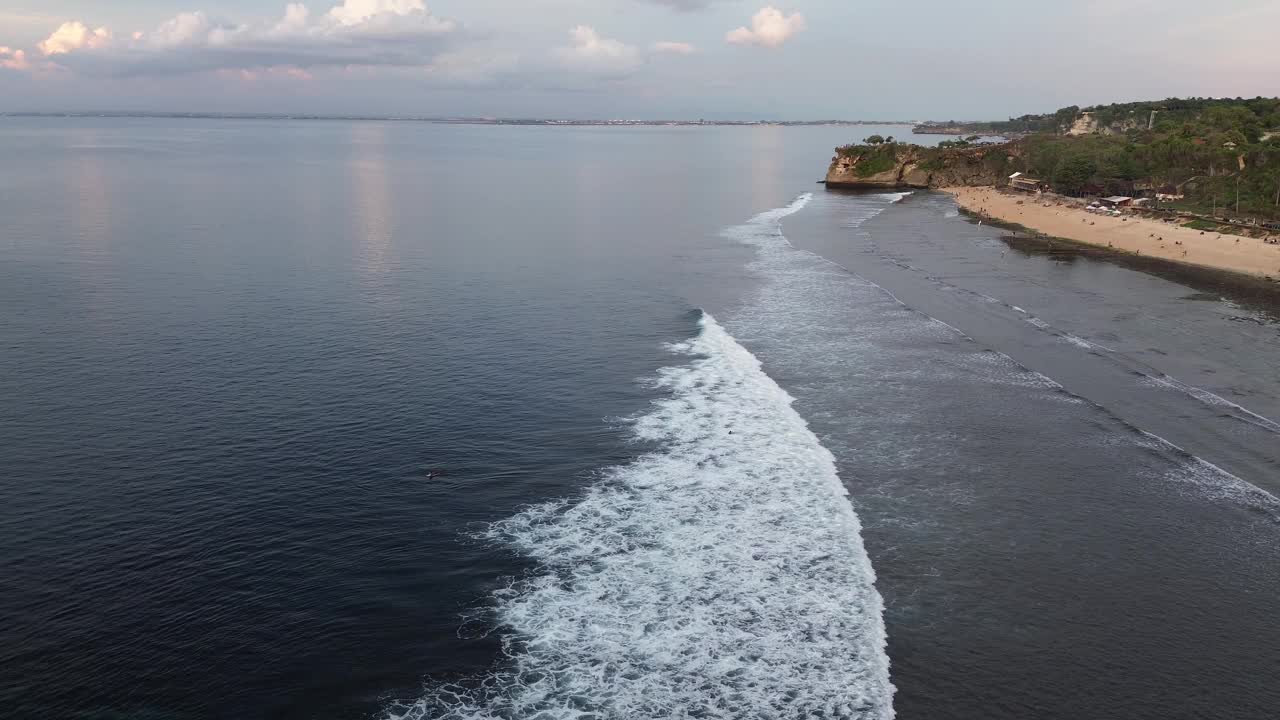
1134,235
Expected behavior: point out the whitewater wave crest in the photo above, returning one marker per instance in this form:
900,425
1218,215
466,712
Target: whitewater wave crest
723,576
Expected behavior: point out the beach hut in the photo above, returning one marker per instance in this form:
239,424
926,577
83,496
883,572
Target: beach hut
1117,201
1018,181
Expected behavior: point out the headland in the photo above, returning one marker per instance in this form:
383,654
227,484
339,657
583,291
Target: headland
1189,181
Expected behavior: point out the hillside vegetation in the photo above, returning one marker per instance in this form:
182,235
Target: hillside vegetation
1206,149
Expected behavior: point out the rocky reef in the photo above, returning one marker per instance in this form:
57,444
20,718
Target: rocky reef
896,165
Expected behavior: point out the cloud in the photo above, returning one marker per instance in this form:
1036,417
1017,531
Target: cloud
74,36
592,53
355,33
769,28
675,48
11,59
355,12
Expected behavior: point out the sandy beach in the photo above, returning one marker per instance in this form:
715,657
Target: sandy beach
1142,236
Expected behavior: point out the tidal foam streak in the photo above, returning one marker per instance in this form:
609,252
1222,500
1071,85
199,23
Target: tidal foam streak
722,576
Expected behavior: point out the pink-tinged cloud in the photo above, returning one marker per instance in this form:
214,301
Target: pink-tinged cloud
400,33
71,36
769,28
11,59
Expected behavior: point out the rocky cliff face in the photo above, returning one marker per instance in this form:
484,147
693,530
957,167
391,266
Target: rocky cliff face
918,167
1087,124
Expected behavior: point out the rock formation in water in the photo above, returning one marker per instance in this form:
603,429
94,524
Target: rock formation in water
895,165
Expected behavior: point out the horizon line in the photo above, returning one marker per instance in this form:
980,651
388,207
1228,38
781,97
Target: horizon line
461,119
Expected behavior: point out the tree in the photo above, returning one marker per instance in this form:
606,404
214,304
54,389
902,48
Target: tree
1073,173
1064,117
1121,165
1273,178
875,140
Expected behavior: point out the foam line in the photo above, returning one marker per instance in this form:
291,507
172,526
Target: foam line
722,576
1168,381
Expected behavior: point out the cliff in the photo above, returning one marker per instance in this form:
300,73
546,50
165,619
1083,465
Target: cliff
895,165
1087,124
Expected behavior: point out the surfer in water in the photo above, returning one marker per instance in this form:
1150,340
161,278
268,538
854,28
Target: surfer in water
433,474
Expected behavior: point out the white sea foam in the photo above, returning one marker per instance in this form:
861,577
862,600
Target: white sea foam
1079,342
721,576
771,218
1039,323
1171,383
1064,336
1207,480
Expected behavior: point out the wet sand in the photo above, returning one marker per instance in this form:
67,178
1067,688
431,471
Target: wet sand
1134,235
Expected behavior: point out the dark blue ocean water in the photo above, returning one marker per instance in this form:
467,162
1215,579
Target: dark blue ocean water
230,351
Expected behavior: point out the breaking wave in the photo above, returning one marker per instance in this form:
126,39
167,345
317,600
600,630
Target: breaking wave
721,576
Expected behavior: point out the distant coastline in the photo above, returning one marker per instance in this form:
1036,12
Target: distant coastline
552,122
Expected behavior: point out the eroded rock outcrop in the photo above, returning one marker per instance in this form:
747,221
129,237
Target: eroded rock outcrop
912,166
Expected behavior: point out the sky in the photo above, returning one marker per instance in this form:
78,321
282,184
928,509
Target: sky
642,59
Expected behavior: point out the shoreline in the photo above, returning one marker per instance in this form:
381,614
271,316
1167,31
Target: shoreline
1130,236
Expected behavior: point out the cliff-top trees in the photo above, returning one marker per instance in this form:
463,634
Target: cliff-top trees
1074,172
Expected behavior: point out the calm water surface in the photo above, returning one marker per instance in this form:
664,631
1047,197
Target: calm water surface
229,351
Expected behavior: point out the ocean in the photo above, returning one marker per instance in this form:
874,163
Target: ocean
708,440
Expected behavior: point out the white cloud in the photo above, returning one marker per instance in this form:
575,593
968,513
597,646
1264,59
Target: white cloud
11,59
389,18
296,17
74,36
769,28
190,29
592,53
355,33
354,12
675,48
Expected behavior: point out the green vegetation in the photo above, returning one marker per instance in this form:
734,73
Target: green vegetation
874,158
1222,157
1252,117
932,163
1207,149
1051,123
